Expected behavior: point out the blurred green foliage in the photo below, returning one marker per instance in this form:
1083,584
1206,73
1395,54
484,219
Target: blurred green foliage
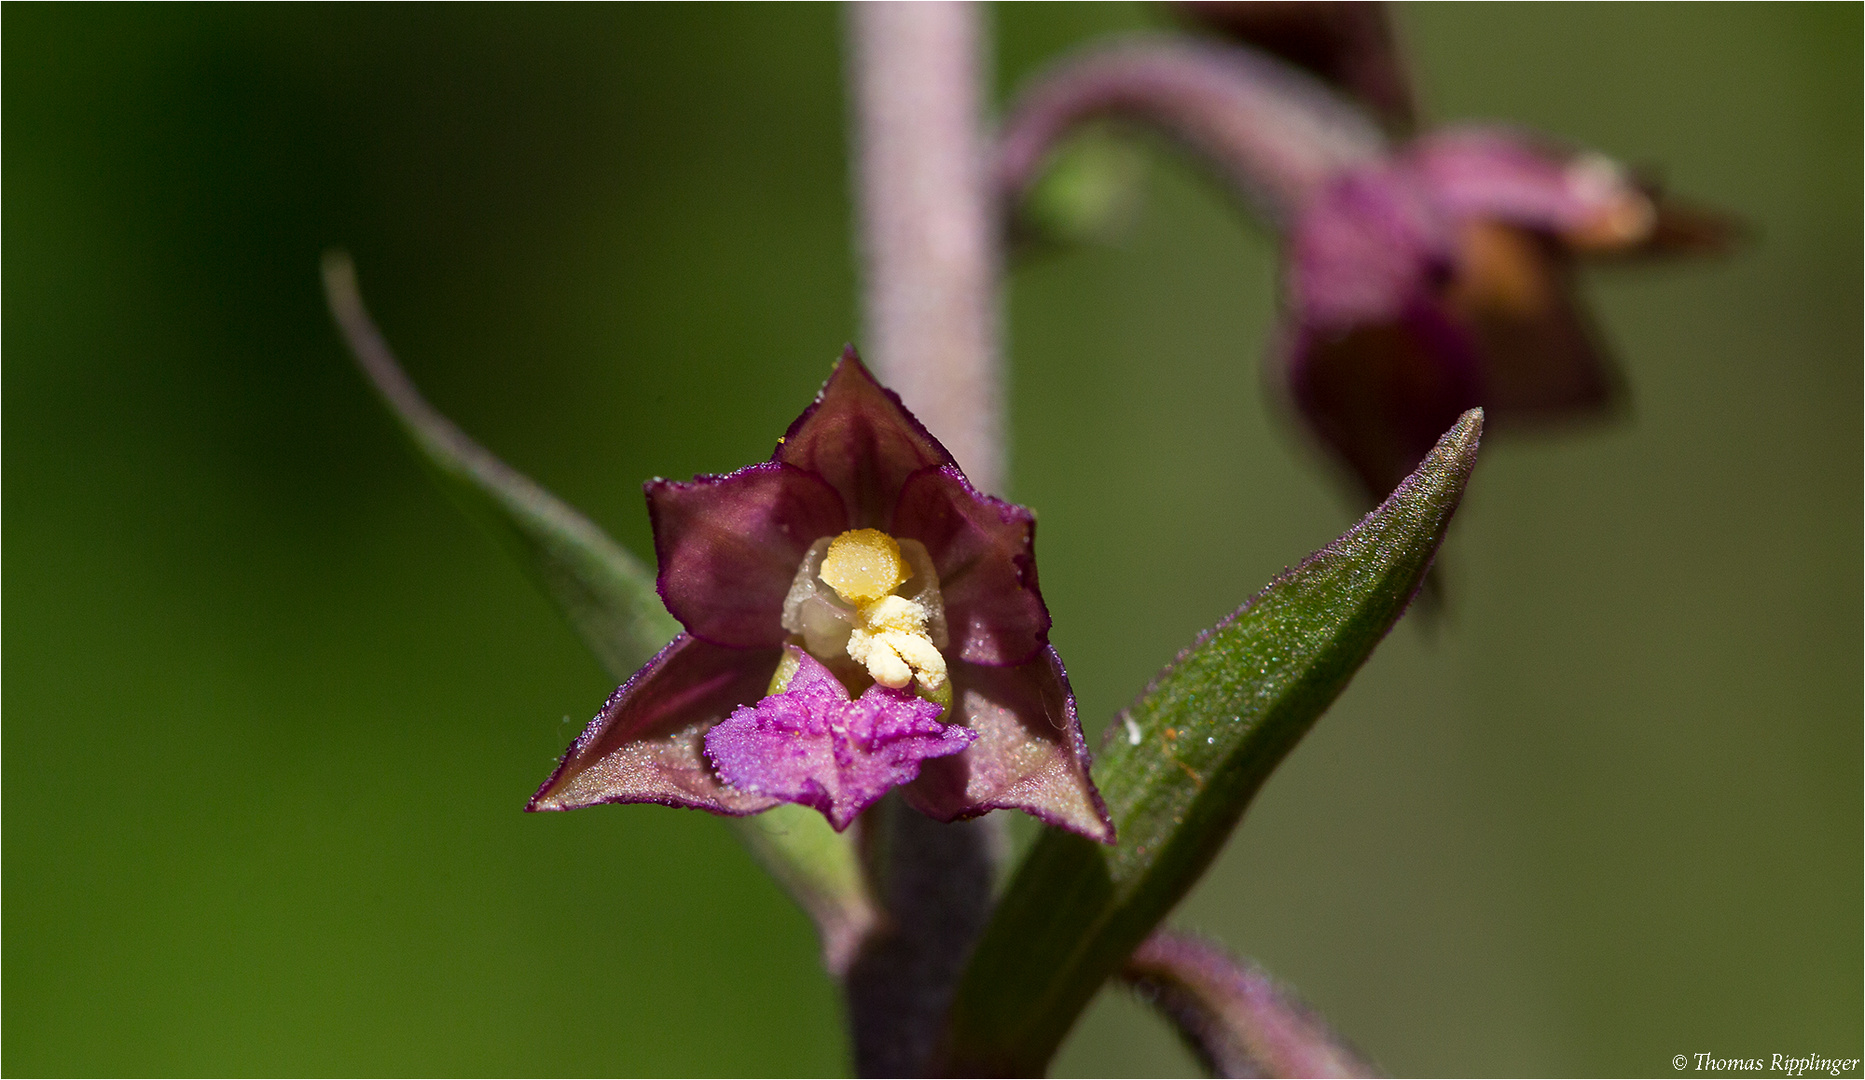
273,705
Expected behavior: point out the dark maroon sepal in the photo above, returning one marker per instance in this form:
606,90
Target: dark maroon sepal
862,441
985,551
645,746
728,547
1029,753
1542,362
1379,394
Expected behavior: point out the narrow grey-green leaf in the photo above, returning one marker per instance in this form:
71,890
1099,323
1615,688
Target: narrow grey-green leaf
606,593
1181,765
608,597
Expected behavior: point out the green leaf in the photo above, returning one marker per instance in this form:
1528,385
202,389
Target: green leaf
606,593
610,600
1181,765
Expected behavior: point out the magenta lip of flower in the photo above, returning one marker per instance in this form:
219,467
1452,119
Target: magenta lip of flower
729,547
814,745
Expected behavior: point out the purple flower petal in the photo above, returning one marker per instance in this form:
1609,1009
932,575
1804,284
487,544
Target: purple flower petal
1592,204
729,546
859,438
1029,755
1589,201
984,551
812,745
1380,394
1492,172
644,746
1365,249
1514,291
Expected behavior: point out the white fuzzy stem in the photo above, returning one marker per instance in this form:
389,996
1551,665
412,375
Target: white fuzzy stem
929,249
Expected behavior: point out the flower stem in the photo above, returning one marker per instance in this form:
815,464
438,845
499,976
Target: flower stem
1235,1018
934,881
1268,129
930,258
929,249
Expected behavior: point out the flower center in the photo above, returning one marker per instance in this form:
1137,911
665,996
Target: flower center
875,600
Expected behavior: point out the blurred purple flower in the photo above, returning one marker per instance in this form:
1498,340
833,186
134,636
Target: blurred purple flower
857,618
1419,281
1439,279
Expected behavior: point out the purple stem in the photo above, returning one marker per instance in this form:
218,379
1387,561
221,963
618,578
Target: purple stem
1235,1018
930,258
1269,129
934,883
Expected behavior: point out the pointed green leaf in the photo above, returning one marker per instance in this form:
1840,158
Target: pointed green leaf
606,593
610,600
1181,765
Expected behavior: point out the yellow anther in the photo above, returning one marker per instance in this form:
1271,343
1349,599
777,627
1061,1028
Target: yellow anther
891,635
895,658
894,613
884,664
918,653
863,565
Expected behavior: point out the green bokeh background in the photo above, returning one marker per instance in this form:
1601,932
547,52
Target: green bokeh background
273,704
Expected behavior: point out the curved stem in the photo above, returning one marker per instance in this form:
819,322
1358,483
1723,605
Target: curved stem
1234,1017
1269,129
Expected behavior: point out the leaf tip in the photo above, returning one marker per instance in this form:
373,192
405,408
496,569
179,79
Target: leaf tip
337,267
1439,479
1468,429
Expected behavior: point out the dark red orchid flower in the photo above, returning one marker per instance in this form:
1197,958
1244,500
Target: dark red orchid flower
857,618
1441,278
1420,279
